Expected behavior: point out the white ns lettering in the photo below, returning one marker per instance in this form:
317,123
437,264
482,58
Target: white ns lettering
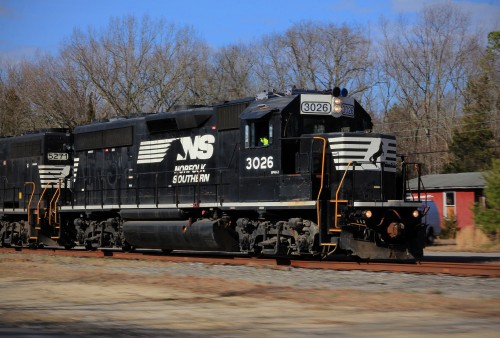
256,163
201,148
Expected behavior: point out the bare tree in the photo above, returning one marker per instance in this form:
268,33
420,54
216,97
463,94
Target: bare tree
136,66
316,56
428,65
345,58
302,50
55,91
231,72
16,114
199,88
271,66
13,115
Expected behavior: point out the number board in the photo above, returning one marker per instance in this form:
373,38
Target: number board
320,104
348,107
57,156
316,104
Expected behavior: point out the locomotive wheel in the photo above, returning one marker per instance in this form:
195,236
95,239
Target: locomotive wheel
89,246
3,244
126,247
257,252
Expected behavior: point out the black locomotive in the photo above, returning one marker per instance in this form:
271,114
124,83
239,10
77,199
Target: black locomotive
284,174
32,172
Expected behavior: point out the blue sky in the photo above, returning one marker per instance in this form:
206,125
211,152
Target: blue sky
30,25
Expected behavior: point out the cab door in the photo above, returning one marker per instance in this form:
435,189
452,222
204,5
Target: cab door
260,159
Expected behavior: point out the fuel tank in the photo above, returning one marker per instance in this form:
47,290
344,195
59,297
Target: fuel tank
202,235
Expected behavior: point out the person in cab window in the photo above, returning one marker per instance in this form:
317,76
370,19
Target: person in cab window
264,142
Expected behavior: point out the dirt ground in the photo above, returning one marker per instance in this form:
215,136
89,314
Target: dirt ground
58,296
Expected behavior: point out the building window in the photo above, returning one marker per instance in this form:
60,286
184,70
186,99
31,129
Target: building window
450,199
449,205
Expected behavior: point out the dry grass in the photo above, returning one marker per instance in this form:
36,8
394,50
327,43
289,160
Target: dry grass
467,239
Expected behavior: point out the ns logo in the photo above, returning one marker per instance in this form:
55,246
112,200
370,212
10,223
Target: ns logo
199,148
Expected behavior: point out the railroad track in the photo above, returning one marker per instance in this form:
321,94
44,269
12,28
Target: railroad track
425,267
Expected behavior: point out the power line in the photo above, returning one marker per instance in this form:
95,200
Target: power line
441,151
439,118
427,129
438,127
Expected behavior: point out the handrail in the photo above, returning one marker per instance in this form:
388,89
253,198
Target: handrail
318,213
31,198
338,191
54,201
40,202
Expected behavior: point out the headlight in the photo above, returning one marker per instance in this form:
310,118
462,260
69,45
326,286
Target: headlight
416,213
367,214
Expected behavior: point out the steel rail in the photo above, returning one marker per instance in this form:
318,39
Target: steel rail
447,268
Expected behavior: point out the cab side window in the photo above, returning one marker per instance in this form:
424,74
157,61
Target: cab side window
258,133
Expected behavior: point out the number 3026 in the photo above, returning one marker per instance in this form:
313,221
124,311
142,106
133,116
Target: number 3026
259,163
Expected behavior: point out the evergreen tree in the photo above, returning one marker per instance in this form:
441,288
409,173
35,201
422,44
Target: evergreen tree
473,142
488,218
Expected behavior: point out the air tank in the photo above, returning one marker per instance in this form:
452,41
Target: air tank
201,235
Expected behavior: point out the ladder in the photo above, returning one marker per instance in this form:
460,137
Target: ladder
335,204
336,201
52,215
33,233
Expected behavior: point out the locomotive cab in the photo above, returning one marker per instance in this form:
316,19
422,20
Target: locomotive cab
261,150
282,140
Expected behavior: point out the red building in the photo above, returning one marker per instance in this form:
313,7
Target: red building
453,194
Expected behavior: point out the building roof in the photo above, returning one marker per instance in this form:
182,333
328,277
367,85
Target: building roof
472,180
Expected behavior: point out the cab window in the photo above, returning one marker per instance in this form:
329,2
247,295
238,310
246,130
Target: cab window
316,125
258,133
